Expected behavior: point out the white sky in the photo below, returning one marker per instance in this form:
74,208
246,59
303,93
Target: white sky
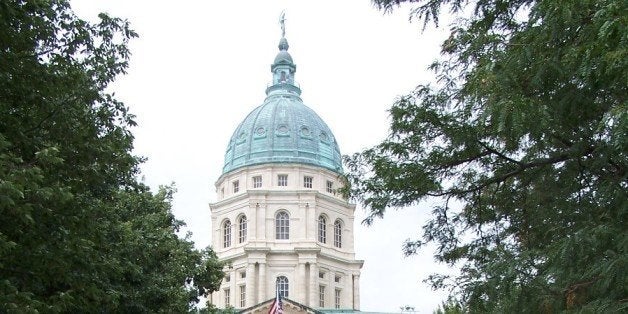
200,66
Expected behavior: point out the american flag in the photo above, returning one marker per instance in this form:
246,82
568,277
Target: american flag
277,307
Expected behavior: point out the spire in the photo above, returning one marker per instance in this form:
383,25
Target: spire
283,68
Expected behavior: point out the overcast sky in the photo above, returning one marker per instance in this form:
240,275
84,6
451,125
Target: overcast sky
200,66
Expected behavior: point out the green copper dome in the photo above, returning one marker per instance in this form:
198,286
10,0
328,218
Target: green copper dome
283,129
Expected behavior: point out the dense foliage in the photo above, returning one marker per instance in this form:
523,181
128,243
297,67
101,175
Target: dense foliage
78,232
525,128
450,307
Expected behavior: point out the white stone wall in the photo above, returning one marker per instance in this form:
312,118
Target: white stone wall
301,258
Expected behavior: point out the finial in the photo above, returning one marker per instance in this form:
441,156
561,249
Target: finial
282,23
283,68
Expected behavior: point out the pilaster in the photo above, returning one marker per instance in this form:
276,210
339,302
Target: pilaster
313,299
261,293
356,292
250,284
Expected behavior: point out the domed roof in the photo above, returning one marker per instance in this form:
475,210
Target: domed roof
283,129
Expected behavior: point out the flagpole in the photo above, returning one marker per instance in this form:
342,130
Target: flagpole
276,307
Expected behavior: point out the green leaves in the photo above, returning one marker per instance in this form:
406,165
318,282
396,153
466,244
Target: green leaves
526,127
79,232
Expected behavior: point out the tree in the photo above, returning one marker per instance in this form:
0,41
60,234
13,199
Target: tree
525,127
450,307
79,232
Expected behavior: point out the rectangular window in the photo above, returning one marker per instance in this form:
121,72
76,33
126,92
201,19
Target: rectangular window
321,296
236,186
337,278
330,187
321,274
337,299
227,278
257,182
227,297
282,180
307,182
242,296
222,192
243,274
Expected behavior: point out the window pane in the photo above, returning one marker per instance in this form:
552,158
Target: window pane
282,226
322,229
338,234
321,296
307,182
242,296
242,229
282,286
257,182
226,233
282,180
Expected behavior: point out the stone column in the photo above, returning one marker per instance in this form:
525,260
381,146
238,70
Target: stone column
261,293
215,233
311,222
260,223
356,292
330,297
313,297
250,284
233,298
252,222
300,283
306,222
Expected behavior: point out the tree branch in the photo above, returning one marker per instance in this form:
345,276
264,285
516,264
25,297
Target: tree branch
523,166
462,161
488,148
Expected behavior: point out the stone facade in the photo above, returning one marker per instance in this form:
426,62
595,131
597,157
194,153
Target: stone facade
318,262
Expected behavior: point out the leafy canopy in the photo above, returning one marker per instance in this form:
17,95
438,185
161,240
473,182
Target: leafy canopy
79,232
525,126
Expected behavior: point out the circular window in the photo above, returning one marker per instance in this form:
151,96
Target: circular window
282,129
242,135
260,131
305,131
324,136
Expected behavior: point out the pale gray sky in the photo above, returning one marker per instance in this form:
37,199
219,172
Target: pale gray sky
200,66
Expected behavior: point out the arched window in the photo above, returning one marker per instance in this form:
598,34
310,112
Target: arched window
226,234
338,233
282,286
322,229
282,226
242,229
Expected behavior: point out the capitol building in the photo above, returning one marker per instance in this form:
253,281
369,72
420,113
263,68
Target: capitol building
280,223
